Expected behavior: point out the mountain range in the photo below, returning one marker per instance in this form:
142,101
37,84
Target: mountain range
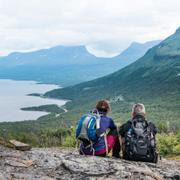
154,79
67,65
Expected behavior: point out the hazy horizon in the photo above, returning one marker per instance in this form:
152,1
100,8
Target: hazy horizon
105,27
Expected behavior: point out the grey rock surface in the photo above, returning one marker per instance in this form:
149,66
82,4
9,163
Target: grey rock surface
54,163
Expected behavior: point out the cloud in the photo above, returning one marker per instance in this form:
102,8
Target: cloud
106,27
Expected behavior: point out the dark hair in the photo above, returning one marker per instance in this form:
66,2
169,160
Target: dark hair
103,106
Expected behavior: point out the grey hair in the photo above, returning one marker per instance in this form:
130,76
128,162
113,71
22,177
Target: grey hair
139,109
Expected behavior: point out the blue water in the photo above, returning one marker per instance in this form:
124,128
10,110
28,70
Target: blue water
13,96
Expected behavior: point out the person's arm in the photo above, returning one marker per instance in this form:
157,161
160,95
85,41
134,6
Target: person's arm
112,128
112,124
124,128
153,128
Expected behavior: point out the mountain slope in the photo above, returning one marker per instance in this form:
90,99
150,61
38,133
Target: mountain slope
66,65
153,79
137,50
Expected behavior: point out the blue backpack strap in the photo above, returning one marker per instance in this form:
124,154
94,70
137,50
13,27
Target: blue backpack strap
91,130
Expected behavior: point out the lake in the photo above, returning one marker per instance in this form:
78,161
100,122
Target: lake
13,97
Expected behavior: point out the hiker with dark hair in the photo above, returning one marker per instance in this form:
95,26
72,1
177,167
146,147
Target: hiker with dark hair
97,132
138,137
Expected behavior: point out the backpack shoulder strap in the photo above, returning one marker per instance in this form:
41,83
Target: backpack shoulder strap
142,120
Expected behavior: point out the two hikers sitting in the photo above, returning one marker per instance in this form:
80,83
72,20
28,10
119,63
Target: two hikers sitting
99,135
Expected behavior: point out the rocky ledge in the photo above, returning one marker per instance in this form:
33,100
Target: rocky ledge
53,163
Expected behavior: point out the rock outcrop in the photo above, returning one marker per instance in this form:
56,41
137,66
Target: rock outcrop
54,163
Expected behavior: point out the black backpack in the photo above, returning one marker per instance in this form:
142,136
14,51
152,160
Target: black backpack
140,142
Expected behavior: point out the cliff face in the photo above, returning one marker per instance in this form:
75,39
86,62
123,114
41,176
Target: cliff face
47,164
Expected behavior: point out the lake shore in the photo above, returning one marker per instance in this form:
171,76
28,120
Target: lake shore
14,95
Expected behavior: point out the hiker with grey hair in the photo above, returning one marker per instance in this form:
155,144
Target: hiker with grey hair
138,109
138,137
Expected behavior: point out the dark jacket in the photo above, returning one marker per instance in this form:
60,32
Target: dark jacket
126,126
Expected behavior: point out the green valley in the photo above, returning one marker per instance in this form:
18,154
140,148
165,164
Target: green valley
153,80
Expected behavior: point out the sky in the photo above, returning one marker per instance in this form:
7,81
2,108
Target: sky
105,27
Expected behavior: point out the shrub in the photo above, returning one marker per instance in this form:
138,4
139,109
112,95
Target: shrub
70,141
168,144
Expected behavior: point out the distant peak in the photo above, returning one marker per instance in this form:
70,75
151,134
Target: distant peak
81,47
153,42
178,30
135,43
